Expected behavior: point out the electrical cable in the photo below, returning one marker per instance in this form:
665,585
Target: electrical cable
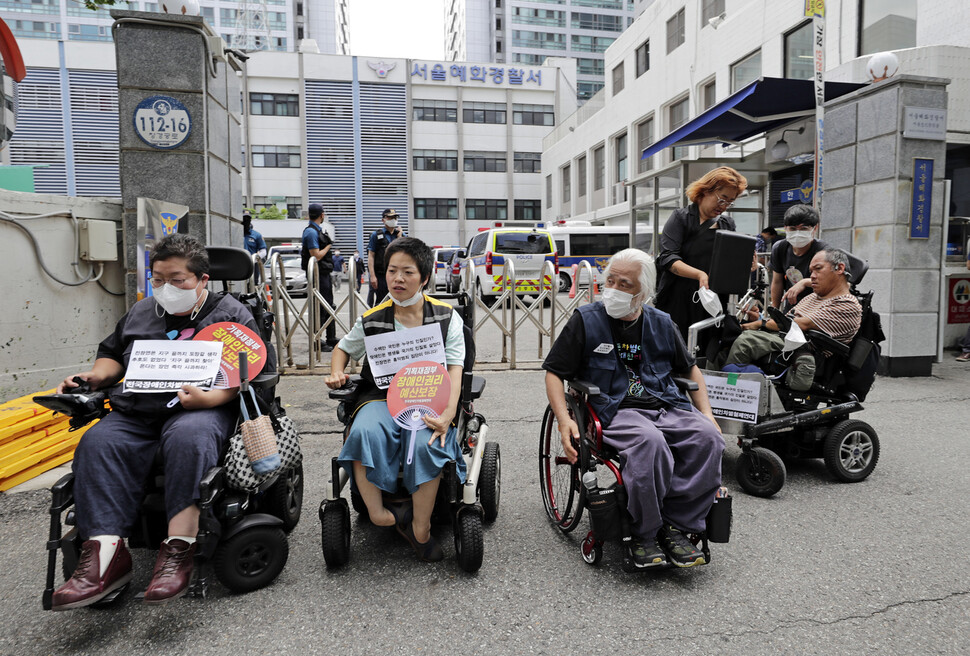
6,218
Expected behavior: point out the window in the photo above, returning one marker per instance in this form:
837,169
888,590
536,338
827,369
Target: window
708,94
599,4
78,32
582,43
548,191
435,160
209,13
527,58
586,90
581,176
527,162
590,66
621,160
276,157
800,53
488,161
529,16
675,31
436,208
710,9
677,114
566,172
483,112
486,209
274,104
435,110
745,71
533,115
602,22
599,168
643,58
644,141
886,25
498,46
498,24
618,80
527,210
293,204
545,40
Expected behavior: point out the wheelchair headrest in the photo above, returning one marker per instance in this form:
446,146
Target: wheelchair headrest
857,269
229,263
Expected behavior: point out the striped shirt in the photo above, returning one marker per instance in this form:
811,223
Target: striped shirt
838,316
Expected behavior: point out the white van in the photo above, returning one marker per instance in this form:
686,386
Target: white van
580,242
527,248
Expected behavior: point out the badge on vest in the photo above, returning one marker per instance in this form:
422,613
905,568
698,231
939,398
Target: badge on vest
603,348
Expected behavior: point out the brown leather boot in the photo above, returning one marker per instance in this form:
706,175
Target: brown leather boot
173,571
85,587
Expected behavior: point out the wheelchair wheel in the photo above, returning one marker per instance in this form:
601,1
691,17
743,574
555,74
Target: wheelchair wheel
761,472
335,521
592,550
562,493
284,499
252,559
851,450
490,481
469,541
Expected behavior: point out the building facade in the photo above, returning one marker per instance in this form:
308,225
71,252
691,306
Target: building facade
525,32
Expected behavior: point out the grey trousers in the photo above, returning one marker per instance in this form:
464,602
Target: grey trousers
671,466
114,458
753,345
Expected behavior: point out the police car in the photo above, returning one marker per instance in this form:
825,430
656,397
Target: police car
528,248
442,254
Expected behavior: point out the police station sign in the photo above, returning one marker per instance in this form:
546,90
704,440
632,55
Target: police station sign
162,122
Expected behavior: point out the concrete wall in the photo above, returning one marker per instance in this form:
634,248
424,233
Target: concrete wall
49,330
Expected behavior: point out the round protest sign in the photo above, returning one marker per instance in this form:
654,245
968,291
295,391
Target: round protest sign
235,337
418,388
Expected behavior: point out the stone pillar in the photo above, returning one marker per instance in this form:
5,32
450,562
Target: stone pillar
168,55
867,206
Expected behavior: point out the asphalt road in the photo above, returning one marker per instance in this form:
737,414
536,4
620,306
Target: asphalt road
822,568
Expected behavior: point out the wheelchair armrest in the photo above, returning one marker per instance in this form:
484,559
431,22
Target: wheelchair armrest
825,342
477,387
211,485
265,380
585,387
62,493
347,391
686,384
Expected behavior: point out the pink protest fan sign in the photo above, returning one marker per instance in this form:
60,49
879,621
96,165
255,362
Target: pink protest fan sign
235,338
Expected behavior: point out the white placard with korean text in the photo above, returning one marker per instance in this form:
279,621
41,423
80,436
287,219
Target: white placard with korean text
733,397
162,365
924,123
388,352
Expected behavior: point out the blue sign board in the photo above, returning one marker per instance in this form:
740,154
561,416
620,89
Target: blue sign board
162,122
802,194
919,223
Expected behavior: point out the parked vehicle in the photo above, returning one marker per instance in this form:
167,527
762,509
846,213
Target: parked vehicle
578,242
527,248
441,256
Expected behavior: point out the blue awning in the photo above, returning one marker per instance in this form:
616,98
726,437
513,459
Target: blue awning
763,105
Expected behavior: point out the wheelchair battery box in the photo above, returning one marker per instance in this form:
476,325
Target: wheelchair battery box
731,265
604,512
720,518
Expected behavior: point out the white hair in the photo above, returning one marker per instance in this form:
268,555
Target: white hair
648,272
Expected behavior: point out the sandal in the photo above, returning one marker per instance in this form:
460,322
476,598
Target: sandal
430,551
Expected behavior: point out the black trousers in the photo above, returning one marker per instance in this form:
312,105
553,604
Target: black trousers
326,290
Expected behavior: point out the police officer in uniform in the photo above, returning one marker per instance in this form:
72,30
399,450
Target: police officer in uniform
376,265
318,245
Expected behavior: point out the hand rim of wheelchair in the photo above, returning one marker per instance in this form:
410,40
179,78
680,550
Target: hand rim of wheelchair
550,444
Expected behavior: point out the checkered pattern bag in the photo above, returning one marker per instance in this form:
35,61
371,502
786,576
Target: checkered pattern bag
239,471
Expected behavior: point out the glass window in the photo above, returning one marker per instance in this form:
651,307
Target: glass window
589,245
618,78
583,43
643,58
544,40
644,141
435,160
709,95
483,112
601,22
527,162
710,9
581,176
677,115
590,66
436,208
276,157
886,25
531,16
487,161
533,115
675,31
274,104
487,209
527,210
599,168
800,53
566,186
548,191
527,58
599,4
435,110
745,71
523,242
621,160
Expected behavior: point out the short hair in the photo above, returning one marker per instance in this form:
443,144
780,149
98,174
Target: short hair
417,250
720,178
801,214
179,245
837,256
648,272
770,231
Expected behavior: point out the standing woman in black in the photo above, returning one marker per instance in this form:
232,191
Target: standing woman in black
687,244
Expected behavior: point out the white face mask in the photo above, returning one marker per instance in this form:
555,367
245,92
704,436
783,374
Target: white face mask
408,302
709,300
391,223
800,238
175,300
618,304
794,338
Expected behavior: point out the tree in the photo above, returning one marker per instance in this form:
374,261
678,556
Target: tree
267,213
95,5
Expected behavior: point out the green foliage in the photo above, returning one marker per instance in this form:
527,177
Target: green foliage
95,5
266,213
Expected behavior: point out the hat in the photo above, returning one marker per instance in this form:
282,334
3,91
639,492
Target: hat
315,209
389,212
247,217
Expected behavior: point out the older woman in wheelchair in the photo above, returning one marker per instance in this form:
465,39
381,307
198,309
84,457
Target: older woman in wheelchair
622,356
376,448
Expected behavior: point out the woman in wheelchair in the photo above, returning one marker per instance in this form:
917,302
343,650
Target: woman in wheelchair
114,457
375,448
671,450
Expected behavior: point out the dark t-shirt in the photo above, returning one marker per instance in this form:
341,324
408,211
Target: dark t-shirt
794,267
565,358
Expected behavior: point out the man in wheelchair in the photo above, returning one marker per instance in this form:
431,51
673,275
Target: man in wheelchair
114,457
831,309
670,450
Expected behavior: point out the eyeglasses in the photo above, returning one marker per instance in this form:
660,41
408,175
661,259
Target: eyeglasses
175,282
723,202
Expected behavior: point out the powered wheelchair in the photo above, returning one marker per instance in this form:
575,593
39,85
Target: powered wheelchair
242,535
466,506
785,424
568,489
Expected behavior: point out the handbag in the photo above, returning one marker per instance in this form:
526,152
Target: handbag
239,472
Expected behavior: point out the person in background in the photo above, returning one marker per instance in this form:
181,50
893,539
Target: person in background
338,269
763,243
358,268
318,245
376,265
792,256
254,243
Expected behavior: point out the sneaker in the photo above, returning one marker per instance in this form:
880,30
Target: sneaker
680,550
646,553
964,357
